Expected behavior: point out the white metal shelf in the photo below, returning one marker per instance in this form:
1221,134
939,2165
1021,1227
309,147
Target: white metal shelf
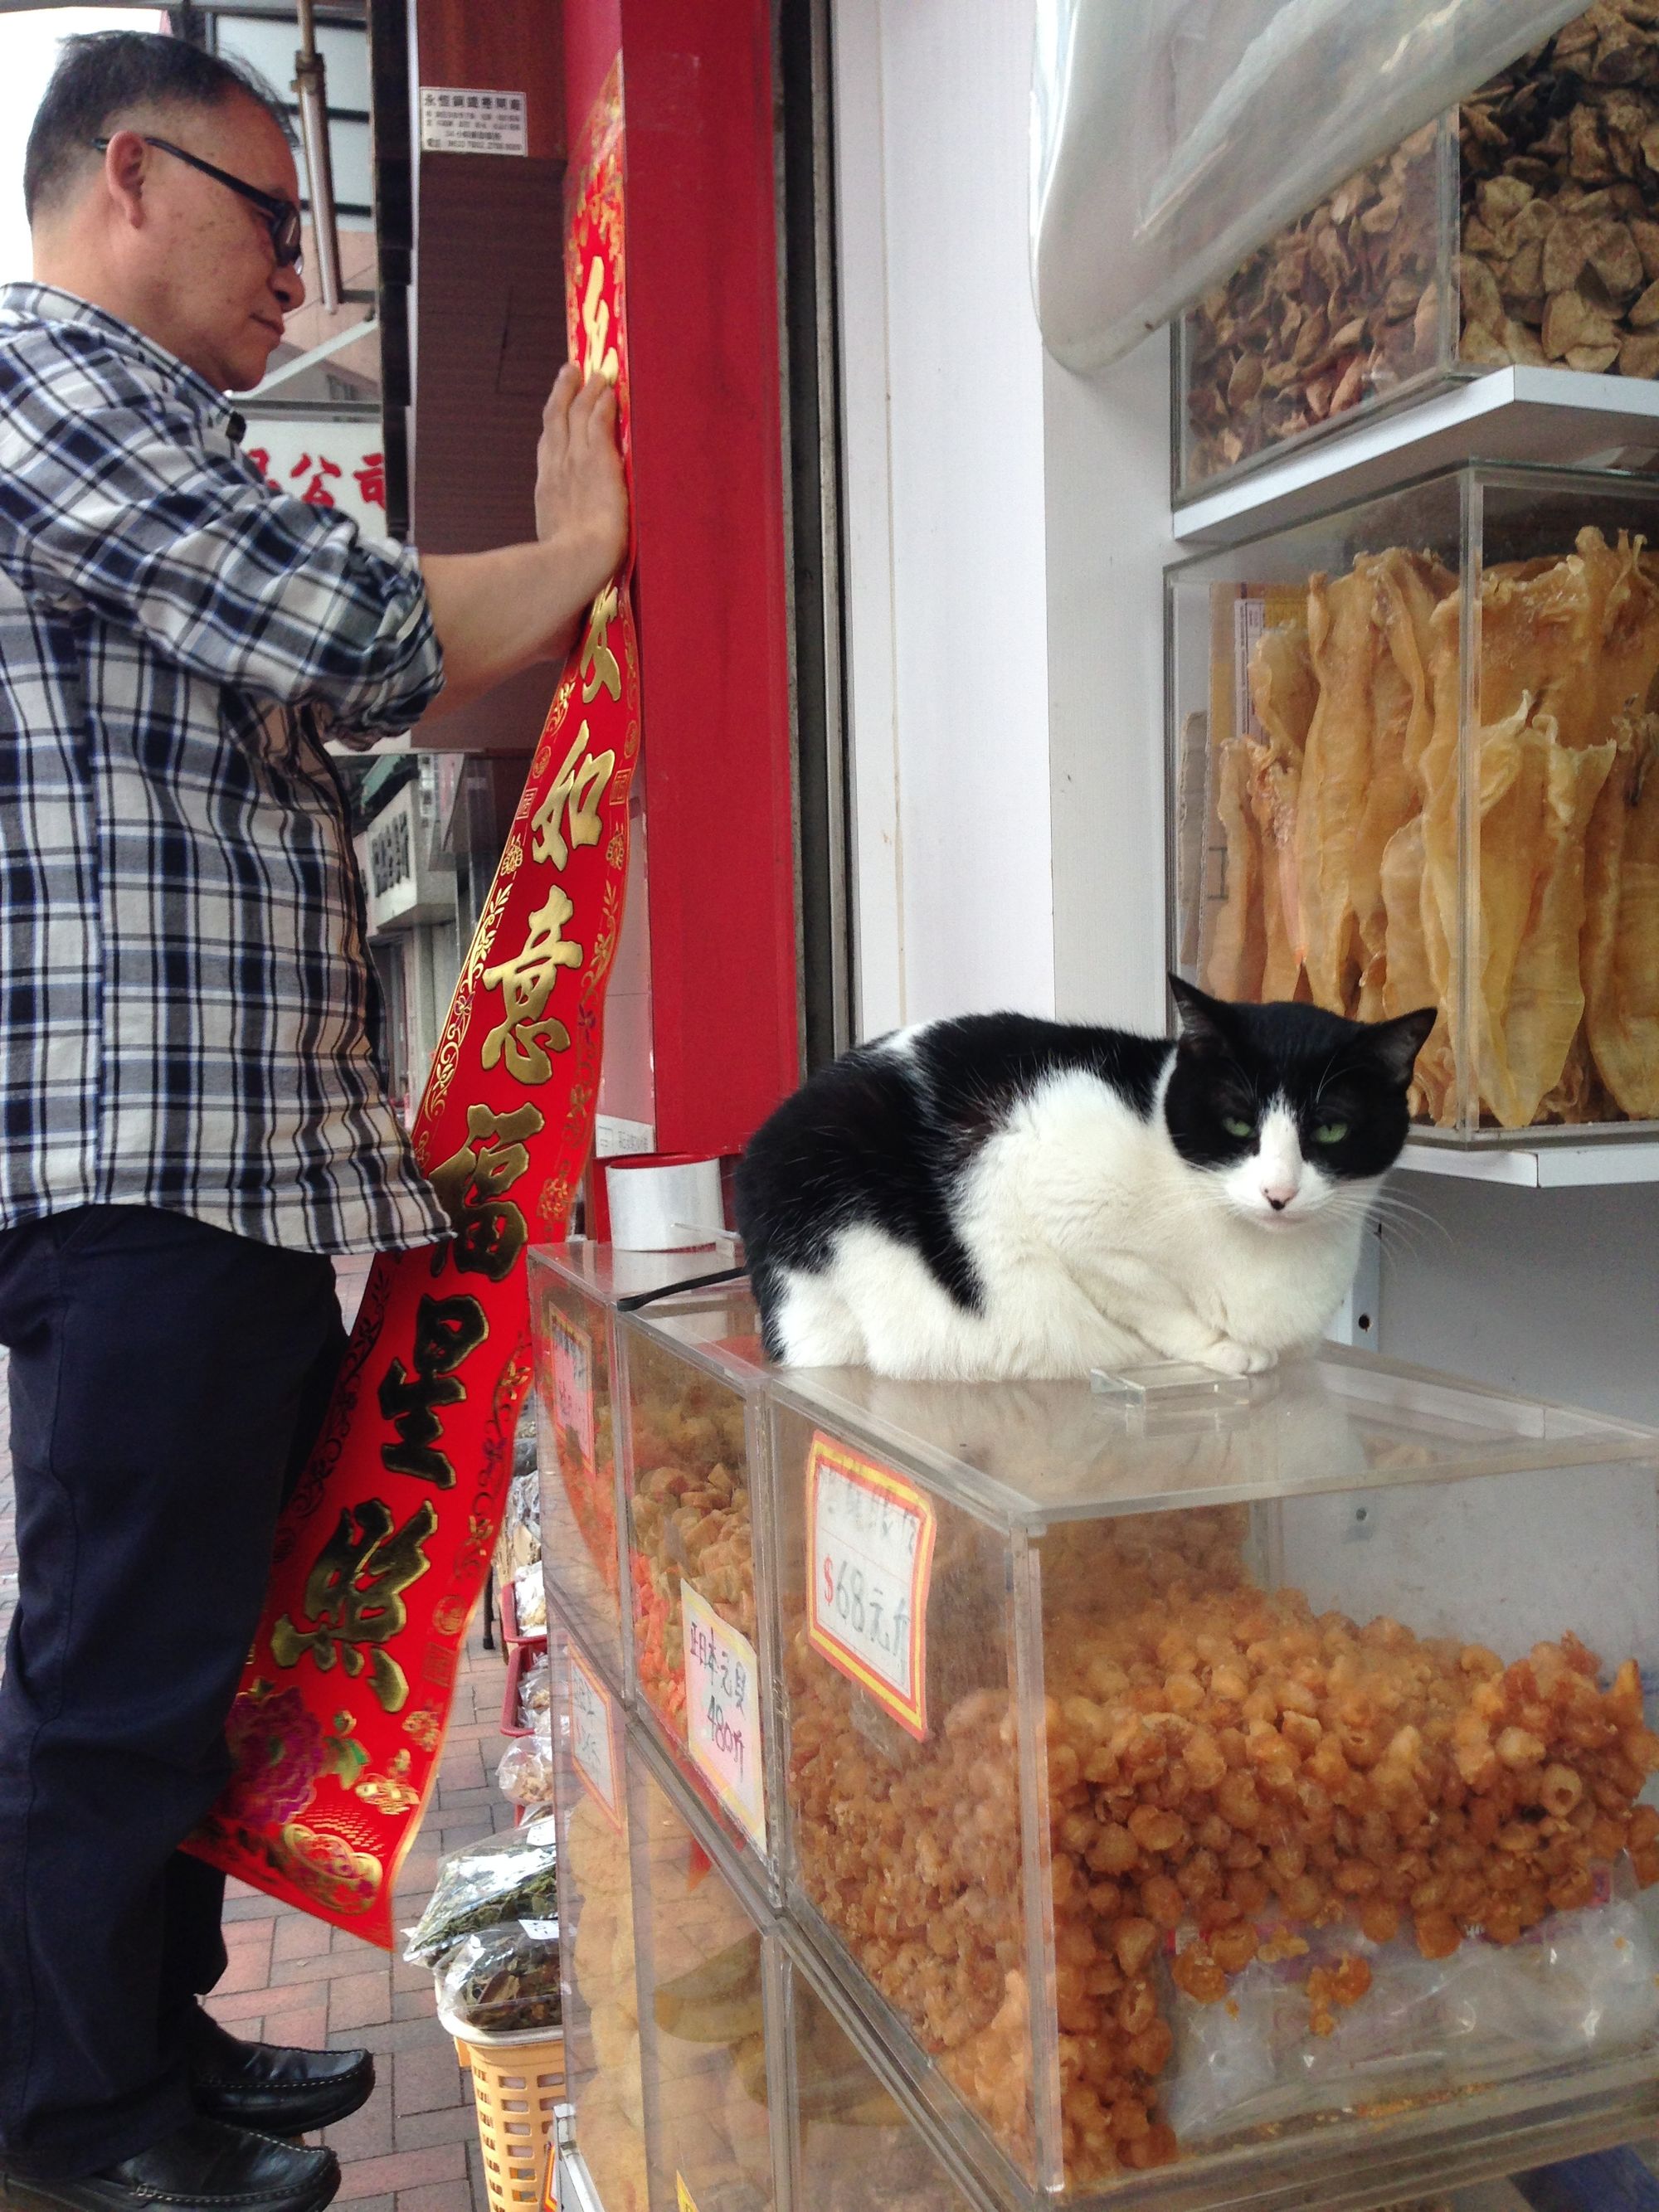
1563,1166
1523,414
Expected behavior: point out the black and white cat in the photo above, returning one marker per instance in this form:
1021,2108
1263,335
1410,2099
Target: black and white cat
997,1196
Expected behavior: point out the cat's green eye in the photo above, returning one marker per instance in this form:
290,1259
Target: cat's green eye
1331,1133
1235,1127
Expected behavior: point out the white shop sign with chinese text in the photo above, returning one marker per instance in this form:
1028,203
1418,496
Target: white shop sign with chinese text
456,120
339,463
871,1535
722,1712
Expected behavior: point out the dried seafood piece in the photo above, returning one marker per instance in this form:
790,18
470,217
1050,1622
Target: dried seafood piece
1537,800
1238,942
1284,694
1438,774
1344,646
1621,927
1406,587
1408,979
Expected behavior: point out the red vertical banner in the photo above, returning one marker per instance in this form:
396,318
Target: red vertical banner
380,1558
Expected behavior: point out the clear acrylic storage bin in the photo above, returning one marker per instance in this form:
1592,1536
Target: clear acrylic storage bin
1226,1799
692,1380
1521,228
1412,746
597,1965
574,1291
709,2019
852,2143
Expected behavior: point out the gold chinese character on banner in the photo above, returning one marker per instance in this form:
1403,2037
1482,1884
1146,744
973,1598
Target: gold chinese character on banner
490,1231
600,672
579,786
599,357
353,1594
526,983
447,1331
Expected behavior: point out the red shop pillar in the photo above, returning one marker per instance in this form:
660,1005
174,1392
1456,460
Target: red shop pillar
710,601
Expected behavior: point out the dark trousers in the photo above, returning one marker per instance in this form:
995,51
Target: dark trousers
167,1381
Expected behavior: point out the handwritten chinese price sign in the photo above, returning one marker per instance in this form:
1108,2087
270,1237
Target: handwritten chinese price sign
722,1712
871,1539
593,1739
380,1557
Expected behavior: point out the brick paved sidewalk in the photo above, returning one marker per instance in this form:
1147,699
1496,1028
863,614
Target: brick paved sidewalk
292,1979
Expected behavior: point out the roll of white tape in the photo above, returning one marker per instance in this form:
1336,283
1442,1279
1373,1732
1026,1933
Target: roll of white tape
664,1205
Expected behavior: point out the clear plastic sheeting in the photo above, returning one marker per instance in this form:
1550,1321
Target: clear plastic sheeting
1170,138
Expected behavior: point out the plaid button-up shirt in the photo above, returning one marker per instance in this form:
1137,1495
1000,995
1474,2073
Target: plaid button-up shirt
185,993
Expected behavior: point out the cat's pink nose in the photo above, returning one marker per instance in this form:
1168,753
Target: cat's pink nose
1279,1195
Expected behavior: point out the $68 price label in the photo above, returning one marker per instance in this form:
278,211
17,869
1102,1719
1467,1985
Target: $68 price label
872,1539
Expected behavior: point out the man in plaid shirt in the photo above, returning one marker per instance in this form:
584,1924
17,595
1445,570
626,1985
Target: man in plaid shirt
192,1119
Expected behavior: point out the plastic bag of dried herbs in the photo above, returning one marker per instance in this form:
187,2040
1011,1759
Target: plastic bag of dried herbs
504,1981
511,1877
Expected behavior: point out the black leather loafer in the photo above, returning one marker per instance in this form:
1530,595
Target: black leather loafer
267,2087
203,2167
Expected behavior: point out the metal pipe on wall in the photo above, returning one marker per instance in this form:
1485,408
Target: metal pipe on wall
311,89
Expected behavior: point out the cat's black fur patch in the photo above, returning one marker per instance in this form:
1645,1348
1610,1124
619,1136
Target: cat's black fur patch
882,1136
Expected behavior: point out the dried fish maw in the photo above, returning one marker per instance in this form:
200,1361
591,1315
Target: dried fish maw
1533,832
1630,628
1438,777
1573,1099
1540,641
1285,696
1406,588
1621,925
1407,983
1345,645
1578,635
1237,953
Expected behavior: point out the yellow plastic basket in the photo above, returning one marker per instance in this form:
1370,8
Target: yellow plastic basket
516,2083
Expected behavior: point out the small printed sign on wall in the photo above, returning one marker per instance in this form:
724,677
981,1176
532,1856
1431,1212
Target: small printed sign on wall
456,120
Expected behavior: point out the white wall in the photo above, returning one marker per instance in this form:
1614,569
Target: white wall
946,616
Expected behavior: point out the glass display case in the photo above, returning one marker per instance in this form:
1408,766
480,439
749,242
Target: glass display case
1522,228
1410,755
597,1946
692,1380
574,1291
708,1994
852,2144
1240,1795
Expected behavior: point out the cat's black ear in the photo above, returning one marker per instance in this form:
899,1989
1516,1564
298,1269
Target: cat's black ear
1394,1045
1201,1016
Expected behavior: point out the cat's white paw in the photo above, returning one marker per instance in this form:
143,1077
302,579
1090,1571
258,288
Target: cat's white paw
1228,1358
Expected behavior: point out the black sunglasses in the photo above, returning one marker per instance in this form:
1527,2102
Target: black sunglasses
281,216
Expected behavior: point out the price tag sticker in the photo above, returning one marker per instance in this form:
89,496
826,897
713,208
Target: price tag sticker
722,1712
871,1539
594,1740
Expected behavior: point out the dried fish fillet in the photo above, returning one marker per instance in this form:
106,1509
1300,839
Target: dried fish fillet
1438,777
1621,927
1284,694
1406,588
1408,981
1345,645
1238,941
1537,797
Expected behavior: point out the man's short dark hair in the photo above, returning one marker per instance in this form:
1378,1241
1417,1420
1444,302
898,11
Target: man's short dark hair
102,76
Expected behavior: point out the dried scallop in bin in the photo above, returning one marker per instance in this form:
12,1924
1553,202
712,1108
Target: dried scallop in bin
1182,1701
